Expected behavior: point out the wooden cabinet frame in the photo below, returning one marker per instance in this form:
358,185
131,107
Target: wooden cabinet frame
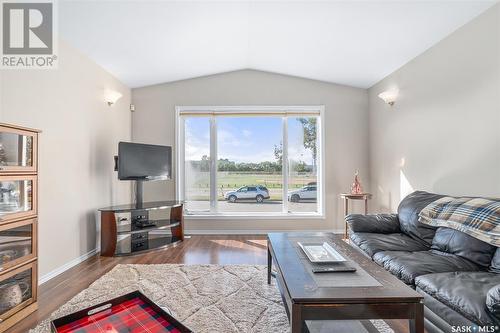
34,150
34,245
18,219
34,202
34,284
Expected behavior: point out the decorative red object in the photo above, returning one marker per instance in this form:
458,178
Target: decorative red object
356,186
131,313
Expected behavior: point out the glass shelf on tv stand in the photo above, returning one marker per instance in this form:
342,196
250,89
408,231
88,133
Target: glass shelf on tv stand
126,229
121,233
154,205
125,246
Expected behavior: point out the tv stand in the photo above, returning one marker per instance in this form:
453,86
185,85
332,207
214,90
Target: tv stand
128,229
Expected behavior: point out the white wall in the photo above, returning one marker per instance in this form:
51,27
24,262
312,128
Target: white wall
346,146
443,133
80,136
1,99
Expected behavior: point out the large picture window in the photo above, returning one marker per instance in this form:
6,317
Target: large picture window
238,161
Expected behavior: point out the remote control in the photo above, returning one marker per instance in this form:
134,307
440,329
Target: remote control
333,269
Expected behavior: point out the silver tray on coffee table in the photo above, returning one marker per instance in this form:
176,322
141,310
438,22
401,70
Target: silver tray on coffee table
321,252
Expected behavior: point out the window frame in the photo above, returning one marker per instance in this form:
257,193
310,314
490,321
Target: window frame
284,112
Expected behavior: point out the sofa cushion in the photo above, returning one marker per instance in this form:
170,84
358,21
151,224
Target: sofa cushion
493,301
372,243
495,262
463,245
437,312
408,211
408,265
465,292
377,223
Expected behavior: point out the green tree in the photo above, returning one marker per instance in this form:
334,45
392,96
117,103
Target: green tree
205,163
309,128
3,156
278,153
300,166
226,165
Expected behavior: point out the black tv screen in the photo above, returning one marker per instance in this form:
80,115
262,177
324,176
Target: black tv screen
137,161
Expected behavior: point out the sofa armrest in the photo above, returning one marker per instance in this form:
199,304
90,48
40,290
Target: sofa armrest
379,223
493,301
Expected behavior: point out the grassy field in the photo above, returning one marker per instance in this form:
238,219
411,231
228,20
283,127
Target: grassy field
226,181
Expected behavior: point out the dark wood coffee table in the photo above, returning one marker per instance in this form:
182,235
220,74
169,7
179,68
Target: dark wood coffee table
369,293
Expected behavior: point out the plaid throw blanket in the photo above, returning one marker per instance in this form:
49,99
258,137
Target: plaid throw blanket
477,217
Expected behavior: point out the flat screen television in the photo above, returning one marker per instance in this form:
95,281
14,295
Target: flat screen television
137,161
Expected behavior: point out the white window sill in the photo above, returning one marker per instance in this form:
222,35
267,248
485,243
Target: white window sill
246,216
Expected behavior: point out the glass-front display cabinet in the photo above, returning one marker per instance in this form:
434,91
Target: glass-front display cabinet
18,149
17,290
18,223
17,243
17,197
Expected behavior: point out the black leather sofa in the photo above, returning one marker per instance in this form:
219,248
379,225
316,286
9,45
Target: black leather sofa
458,275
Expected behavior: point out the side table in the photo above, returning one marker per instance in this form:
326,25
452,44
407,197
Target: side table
350,196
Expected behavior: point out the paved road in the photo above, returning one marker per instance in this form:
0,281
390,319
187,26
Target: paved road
252,206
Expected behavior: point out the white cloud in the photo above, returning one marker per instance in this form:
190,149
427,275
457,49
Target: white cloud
300,153
246,133
196,146
227,138
239,146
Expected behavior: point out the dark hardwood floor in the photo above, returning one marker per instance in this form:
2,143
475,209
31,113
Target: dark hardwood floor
195,250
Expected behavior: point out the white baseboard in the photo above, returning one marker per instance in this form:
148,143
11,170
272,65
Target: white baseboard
251,232
65,267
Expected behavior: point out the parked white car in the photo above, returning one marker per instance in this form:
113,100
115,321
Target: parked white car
255,192
306,193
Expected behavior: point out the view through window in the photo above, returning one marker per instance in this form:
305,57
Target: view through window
197,163
263,163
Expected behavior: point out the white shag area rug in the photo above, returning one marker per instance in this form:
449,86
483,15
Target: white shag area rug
206,298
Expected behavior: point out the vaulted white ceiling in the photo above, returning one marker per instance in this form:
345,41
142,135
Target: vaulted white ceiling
348,42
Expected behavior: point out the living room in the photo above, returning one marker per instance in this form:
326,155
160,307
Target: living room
250,166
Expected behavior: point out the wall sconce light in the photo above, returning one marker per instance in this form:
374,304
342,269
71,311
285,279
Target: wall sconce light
111,97
389,96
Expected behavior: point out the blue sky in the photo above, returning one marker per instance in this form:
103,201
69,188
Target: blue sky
248,139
